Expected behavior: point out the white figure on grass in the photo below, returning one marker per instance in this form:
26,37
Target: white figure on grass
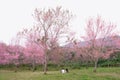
64,70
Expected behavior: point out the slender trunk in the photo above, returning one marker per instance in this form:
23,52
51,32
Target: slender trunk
16,68
45,38
87,65
95,67
45,63
108,63
45,67
33,63
33,66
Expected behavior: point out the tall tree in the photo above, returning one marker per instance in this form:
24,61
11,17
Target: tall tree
51,25
97,33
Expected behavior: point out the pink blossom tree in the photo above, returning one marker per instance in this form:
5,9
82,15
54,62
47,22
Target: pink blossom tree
16,55
96,34
33,55
3,54
51,26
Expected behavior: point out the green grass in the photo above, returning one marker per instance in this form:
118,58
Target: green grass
76,74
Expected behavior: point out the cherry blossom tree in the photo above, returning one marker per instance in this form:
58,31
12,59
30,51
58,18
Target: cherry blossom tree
33,55
51,25
96,34
3,54
16,55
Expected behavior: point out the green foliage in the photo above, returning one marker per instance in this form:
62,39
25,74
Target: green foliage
114,60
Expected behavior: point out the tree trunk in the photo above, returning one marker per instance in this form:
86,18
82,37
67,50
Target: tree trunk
45,65
108,63
33,66
95,67
16,68
87,65
45,62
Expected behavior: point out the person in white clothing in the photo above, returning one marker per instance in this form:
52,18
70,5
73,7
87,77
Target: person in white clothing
63,71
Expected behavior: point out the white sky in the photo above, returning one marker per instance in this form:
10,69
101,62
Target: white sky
16,14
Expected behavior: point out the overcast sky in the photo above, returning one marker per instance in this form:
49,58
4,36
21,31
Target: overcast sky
16,14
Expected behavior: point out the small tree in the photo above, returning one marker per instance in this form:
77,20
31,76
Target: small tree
51,26
16,55
33,55
97,32
4,56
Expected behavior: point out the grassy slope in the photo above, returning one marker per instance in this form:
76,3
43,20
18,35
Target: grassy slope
82,74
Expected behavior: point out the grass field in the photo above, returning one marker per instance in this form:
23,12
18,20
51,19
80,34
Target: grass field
76,74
